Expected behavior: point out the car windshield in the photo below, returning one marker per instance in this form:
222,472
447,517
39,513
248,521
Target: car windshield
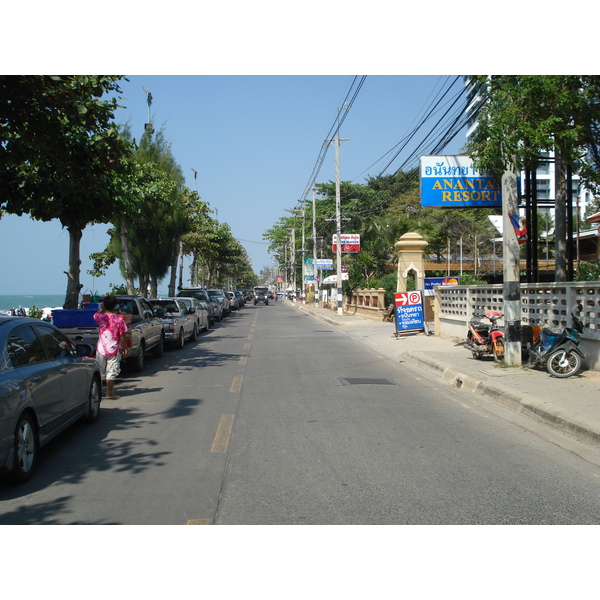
167,305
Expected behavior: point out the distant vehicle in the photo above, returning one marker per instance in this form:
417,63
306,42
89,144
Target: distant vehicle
241,296
46,384
179,324
223,299
261,289
234,301
202,295
261,298
199,310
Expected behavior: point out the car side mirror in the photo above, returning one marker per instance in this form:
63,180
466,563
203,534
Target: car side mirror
85,350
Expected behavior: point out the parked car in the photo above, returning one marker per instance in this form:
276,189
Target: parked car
234,302
47,382
144,328
223,300
202,295
199,310
241,296
179,324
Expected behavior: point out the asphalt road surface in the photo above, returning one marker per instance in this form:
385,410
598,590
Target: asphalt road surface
274,417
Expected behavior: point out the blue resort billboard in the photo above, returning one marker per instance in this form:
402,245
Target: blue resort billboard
453,182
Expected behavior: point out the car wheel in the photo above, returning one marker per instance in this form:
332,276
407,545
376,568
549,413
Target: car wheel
194,335
140,361
25,449
94,398
180,340
160,348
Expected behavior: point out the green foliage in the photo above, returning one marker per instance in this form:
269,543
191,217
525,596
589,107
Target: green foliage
118,289
470,280
523,115
588,271
61,153
389,283
35,313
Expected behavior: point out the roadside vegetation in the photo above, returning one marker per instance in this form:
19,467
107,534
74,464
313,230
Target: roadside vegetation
62,156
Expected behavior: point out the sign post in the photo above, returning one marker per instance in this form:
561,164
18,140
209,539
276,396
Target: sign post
408,312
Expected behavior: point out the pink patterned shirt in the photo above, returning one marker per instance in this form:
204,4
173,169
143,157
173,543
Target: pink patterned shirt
112,327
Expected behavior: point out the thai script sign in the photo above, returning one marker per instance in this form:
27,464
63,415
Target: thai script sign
408,311
453,182
324,264
350,242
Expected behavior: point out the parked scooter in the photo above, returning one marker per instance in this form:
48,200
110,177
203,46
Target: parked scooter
558,352
484,339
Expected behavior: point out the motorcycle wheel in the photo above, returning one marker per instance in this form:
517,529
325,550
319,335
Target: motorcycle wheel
563,364
499,350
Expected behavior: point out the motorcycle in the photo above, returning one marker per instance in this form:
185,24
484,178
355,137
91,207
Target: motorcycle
558,352
484,339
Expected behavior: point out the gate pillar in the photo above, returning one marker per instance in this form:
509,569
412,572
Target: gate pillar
411,252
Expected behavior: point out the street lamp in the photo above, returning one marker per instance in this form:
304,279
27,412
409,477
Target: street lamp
195,178
148,126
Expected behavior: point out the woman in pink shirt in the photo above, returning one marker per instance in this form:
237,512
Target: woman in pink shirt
111,342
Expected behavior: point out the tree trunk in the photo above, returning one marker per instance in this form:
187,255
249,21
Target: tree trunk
560,217
127,265
173,276
73,285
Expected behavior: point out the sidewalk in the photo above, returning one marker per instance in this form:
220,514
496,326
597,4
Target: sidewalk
570,405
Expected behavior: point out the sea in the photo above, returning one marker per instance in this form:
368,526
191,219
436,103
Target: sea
40,301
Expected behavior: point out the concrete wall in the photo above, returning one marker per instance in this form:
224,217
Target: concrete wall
369,303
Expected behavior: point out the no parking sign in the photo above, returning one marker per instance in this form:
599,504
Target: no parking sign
409,311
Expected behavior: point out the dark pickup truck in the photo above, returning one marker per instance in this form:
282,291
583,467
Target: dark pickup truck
144,328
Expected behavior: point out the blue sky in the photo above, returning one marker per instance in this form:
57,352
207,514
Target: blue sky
254,141
247,93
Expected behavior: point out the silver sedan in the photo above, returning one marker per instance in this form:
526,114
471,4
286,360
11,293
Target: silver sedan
46,383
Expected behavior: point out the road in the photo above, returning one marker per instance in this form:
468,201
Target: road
274,417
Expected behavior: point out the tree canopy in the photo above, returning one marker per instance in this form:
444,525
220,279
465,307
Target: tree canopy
61,155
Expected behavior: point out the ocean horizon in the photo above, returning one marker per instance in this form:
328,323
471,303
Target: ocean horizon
9,301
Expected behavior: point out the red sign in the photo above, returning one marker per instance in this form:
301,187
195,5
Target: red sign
350,242
407,298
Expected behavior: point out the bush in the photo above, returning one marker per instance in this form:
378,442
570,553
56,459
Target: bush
588,271
35,313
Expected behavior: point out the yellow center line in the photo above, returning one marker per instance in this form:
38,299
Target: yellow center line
236,385
221,441
247,346
199,522
249,337
243,360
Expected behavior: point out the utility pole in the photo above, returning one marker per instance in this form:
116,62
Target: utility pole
303,251
293,258
512,265
338,226
338,219
314,236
